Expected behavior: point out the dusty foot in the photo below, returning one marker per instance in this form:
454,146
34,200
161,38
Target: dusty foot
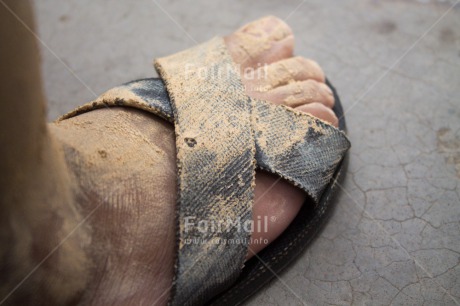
121,164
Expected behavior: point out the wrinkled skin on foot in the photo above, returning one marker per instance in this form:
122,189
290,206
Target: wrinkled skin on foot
111,174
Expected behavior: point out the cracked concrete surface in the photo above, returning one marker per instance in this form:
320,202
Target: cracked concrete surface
395,235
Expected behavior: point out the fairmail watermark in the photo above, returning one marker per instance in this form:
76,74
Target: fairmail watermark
251,77
256,72
203,226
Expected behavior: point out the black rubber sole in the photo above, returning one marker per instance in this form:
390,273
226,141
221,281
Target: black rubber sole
306,226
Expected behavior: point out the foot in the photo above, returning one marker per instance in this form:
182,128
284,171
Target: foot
121,166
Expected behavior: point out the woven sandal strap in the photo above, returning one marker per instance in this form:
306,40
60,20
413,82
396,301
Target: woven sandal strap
220,132
216,168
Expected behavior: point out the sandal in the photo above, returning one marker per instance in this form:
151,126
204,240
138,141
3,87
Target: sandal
222,135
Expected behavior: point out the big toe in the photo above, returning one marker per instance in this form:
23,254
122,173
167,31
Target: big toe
260,42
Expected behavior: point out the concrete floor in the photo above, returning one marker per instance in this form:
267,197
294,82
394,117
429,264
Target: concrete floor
395,235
